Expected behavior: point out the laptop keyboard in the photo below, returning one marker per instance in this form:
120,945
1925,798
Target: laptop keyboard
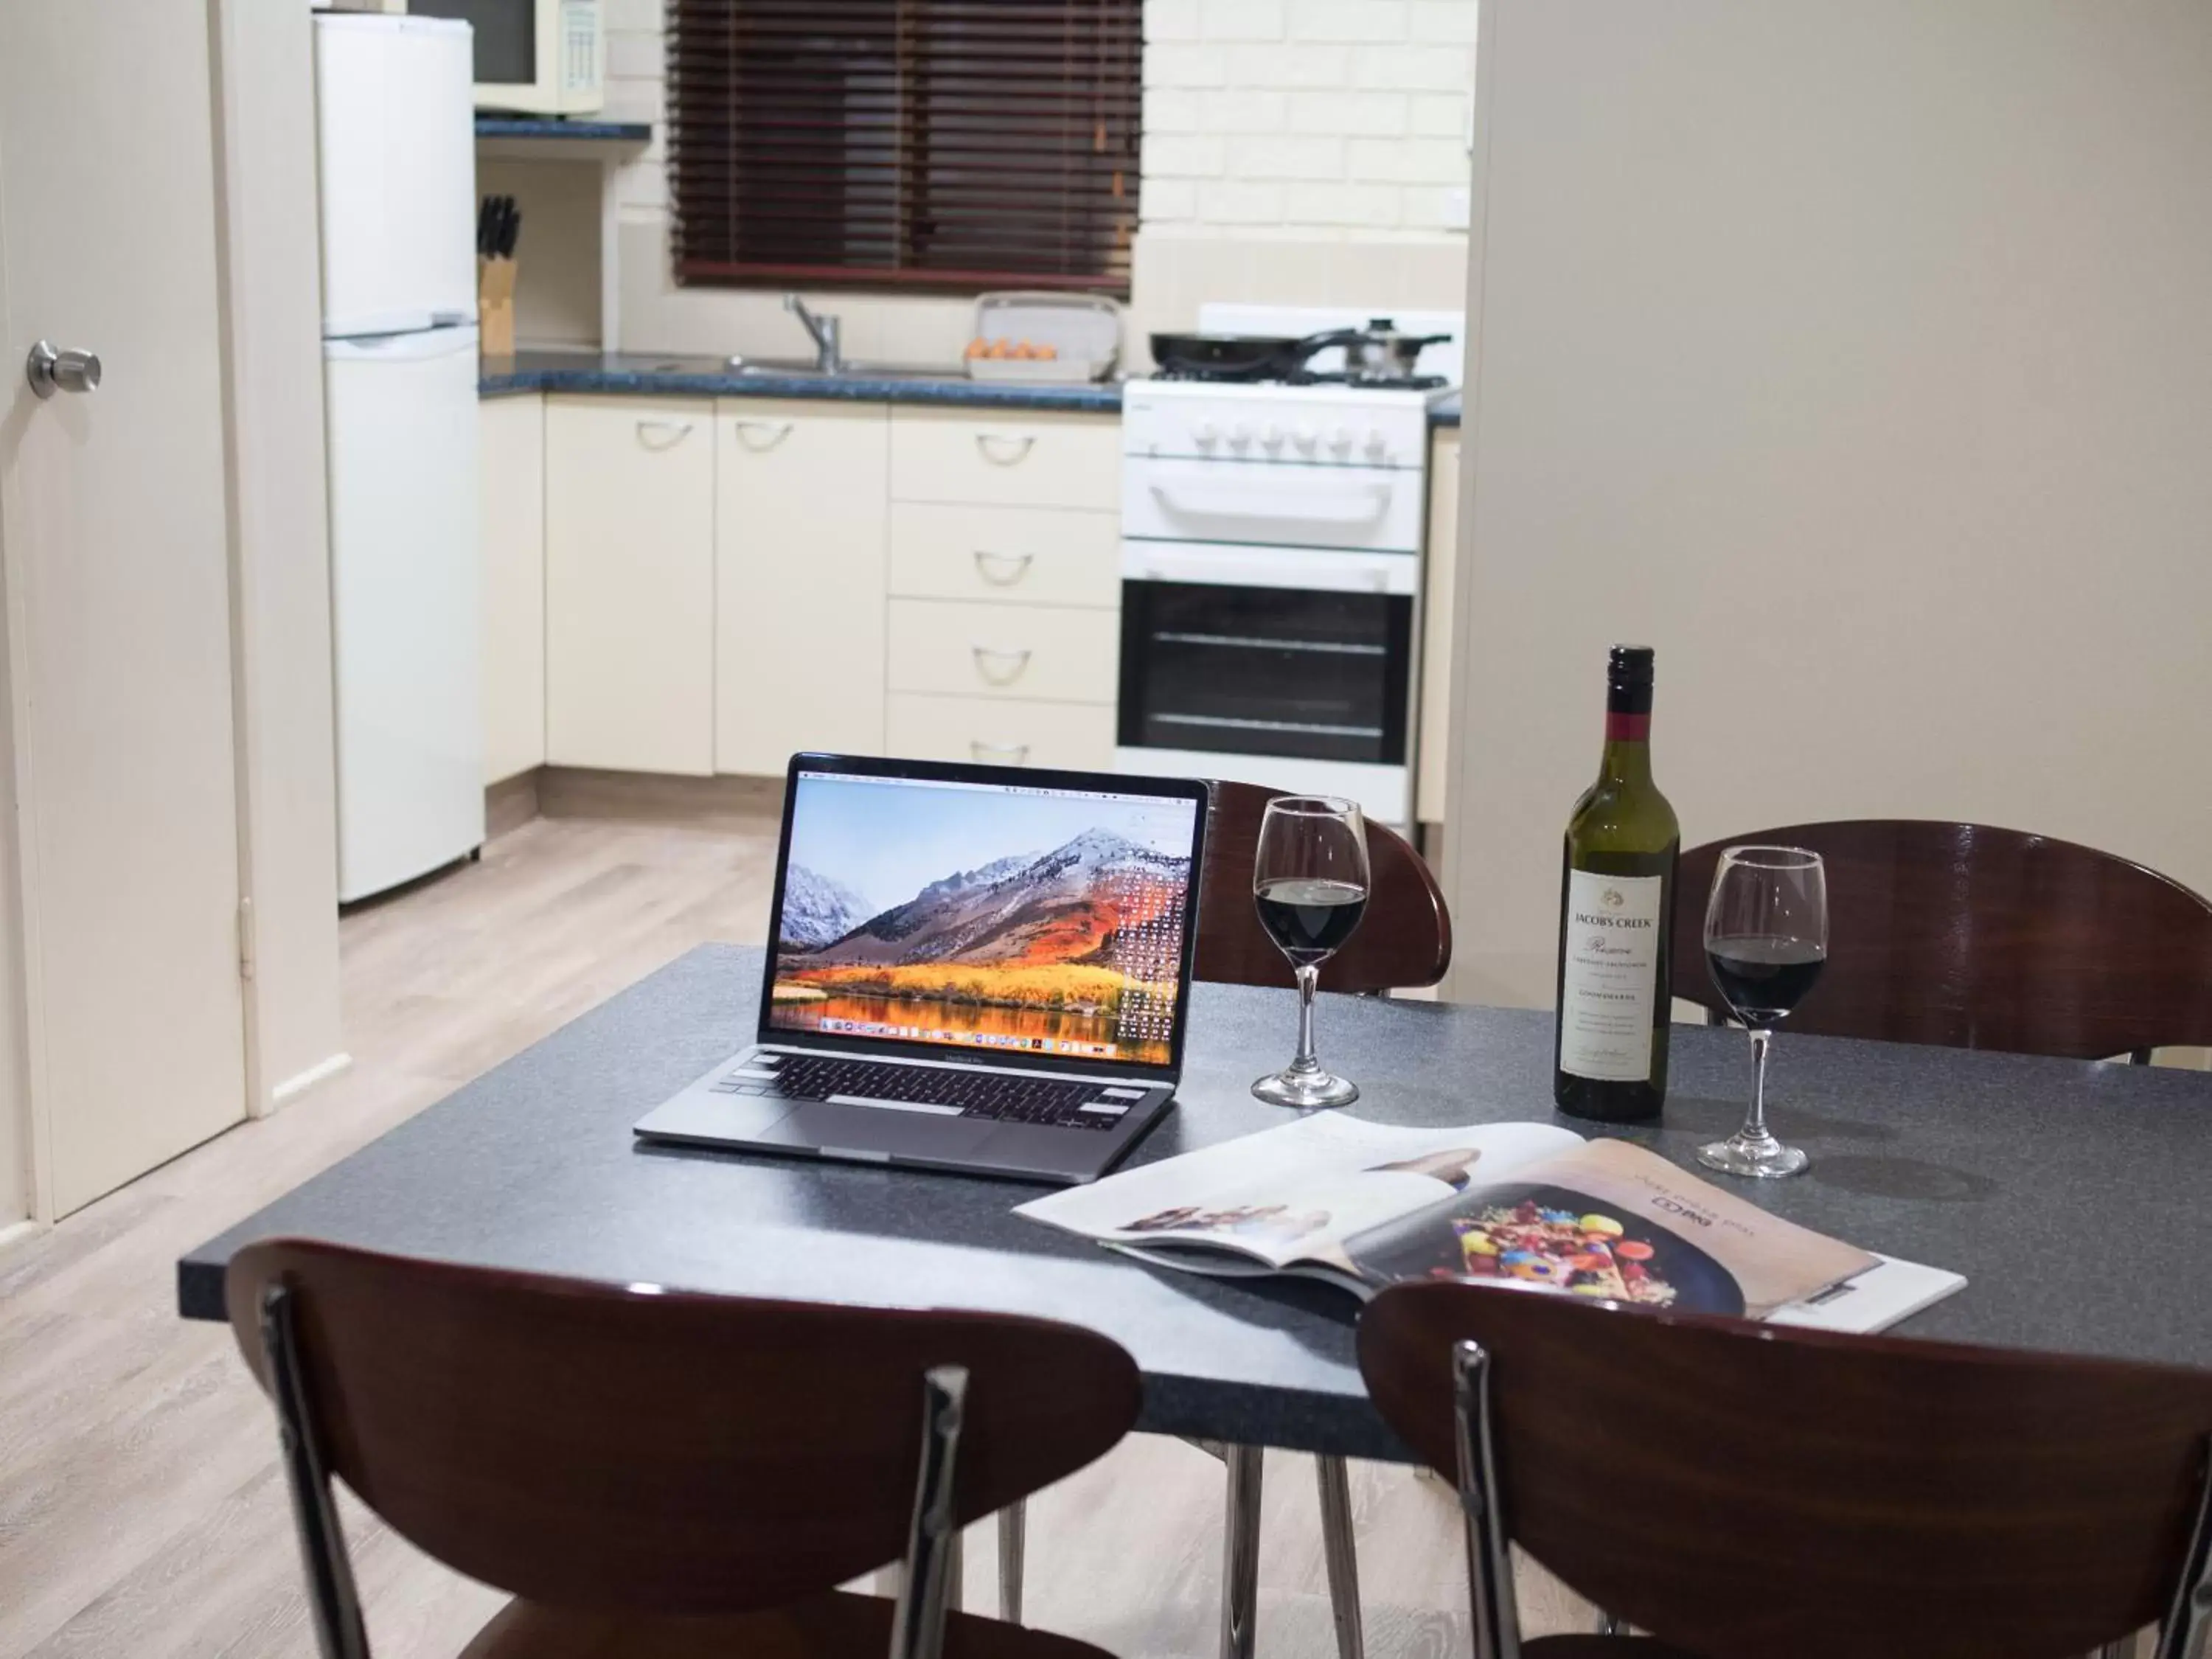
1001,1097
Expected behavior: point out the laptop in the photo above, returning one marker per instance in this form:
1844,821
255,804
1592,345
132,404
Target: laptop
983,969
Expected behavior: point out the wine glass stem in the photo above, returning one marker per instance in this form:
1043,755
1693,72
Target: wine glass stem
1309,978
1754,1122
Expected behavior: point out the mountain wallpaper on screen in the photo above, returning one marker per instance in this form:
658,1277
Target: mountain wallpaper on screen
1033,930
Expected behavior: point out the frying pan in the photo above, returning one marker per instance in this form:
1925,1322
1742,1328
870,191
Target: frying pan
1229,356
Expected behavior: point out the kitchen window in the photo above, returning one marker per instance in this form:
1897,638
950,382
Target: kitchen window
947,143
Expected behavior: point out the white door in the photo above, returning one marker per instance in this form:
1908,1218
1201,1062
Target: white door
112,518
400,413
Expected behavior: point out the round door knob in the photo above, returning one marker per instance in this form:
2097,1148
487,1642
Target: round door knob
50,371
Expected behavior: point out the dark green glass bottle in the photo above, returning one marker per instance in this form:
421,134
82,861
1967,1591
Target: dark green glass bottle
1616,919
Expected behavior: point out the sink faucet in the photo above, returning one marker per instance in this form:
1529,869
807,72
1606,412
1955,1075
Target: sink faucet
824,331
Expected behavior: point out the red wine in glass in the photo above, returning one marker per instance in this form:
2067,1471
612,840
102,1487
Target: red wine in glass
1309,919
1762,977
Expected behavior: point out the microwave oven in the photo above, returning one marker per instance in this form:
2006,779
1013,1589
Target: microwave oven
533,56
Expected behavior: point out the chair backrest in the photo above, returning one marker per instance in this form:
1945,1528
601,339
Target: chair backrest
1739,1490
1977,938
598,1447
1405,939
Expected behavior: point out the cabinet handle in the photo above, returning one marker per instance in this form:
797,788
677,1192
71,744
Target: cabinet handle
996,447
1013,753
987,565
986,655
776,432
671,433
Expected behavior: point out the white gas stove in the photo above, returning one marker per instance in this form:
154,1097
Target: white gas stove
1271,537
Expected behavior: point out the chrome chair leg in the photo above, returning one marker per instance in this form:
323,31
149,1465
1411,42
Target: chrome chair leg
932,1547
1240,1553
1013,1537
1340,1553
1495,1618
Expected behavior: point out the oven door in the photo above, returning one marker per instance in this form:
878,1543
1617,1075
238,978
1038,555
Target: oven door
1220,654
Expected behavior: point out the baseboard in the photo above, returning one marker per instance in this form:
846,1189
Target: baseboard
511,802
576,791
293,1087
20,1232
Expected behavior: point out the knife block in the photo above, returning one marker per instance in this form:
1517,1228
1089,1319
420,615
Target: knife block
495,307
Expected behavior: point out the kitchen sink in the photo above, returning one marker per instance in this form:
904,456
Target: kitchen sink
793,369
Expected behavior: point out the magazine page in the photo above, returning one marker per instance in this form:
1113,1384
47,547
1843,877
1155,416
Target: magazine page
1292,1193
1612,1220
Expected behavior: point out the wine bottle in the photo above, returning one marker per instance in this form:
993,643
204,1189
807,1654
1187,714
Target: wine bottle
1616,919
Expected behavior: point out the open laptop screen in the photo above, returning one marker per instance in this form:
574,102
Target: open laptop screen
1044,920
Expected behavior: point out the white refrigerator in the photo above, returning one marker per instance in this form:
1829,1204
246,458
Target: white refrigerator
396,128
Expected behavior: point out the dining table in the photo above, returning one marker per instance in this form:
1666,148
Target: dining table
2074,1196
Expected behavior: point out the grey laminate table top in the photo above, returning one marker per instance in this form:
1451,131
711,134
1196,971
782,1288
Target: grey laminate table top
2071,1194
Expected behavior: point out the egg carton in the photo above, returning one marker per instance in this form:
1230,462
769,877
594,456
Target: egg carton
1084,331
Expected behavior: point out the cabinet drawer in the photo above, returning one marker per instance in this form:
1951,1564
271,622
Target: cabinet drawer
1027,459
1047,653
1005,555
1002,731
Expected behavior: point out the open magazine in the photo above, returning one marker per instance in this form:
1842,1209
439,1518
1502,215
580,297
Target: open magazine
1365,1205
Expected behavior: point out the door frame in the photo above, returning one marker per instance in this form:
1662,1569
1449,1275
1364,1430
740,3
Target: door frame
279,642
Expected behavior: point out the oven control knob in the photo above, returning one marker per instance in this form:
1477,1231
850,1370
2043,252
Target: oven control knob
1341,441
1240,436
1272,437
1305,438
1377,448
1206,434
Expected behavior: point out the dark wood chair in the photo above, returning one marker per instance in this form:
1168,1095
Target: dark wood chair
1746,1492
1979,937
1404,940
663,1475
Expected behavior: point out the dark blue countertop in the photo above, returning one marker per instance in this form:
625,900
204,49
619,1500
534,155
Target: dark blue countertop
709,377
2043,1180
542,126
1444,412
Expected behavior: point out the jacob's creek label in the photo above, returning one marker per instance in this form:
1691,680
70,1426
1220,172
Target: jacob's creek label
1611,977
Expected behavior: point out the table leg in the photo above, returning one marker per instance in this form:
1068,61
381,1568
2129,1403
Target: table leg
1341,1555
1013,1534
1240,1554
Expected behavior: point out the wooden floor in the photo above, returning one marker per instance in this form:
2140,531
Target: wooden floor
141,1510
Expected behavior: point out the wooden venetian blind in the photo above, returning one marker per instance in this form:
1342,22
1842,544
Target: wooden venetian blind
956,143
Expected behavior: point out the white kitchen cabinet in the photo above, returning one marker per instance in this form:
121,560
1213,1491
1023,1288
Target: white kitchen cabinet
1002,731
511,454
629,584
1027,459
1439,565
1005,555
800,556
1048,653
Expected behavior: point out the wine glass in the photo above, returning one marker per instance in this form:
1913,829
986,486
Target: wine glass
1310,882
1766,937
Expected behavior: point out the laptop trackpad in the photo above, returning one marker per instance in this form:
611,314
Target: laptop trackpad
894,1134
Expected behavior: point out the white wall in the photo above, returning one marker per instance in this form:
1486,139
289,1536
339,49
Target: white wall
1859,358
1296,151
272,290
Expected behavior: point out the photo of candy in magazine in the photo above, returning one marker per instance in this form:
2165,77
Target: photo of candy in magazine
1526,1206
